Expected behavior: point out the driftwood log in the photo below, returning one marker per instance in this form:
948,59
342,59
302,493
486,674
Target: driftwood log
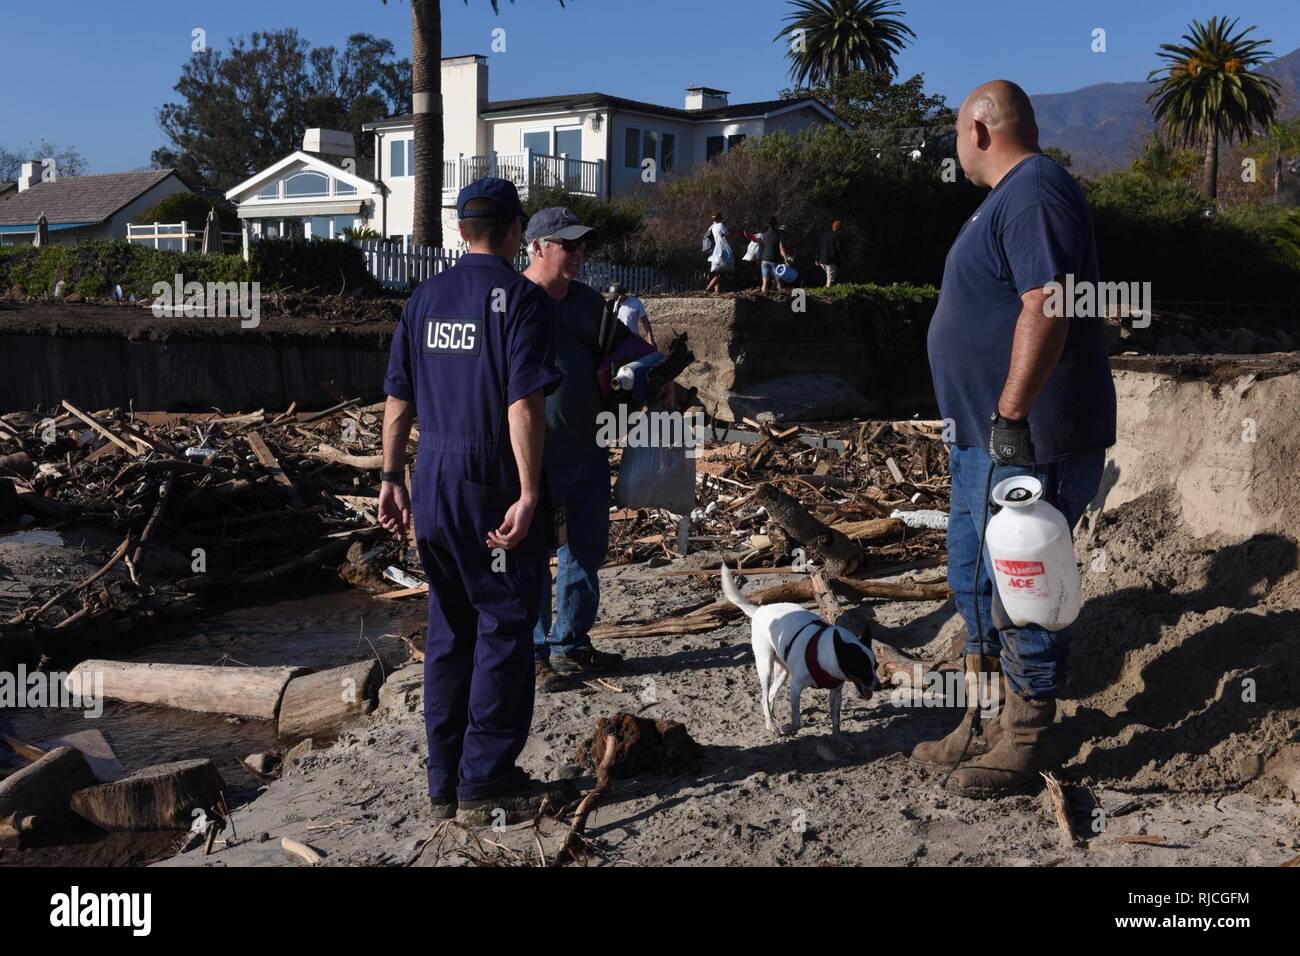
838,554
243,691
46,786
162,797
322,704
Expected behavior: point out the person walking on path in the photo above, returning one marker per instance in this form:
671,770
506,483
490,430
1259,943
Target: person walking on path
771,248
830,250
721,259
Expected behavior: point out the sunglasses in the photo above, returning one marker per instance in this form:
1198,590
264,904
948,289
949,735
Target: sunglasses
569,245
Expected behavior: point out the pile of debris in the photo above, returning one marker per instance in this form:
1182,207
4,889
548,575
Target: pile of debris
247,500
250,500
882,483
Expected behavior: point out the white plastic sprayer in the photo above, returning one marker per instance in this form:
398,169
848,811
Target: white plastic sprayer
1033,557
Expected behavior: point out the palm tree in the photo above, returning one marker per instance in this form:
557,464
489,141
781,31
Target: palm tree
829,38
1208,93
426,109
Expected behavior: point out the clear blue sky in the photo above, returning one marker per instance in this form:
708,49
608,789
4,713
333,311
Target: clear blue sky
92,73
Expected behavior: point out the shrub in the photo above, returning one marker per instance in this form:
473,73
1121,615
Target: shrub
618,225
900,215
94,266
1165,233
320,265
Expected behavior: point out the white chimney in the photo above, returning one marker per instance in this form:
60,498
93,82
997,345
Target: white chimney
704,98
464,97
30,176
329,142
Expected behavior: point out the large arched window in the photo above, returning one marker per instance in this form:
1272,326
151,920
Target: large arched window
307,184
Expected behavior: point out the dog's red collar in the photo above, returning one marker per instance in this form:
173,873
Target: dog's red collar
823,679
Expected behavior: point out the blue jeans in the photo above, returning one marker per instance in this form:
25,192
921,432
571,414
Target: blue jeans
1033,658
767,269
584,490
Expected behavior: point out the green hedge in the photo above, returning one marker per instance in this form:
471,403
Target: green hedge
94,266
324,266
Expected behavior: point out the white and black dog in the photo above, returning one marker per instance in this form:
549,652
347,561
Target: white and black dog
791,642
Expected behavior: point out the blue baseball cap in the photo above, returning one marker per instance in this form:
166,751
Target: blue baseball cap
555,222
501,191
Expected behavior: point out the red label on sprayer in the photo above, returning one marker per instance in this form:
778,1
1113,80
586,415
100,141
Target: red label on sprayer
1023,578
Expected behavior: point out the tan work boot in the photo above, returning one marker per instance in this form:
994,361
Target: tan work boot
945,751
1013,763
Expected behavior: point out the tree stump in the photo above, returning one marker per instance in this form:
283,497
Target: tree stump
161,797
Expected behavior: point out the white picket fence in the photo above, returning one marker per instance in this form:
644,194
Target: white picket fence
398,268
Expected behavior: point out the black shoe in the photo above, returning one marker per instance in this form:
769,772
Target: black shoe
519,805
444,808
585,660
546,681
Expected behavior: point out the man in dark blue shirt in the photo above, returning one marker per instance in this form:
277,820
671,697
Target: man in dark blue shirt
1025,388
473,357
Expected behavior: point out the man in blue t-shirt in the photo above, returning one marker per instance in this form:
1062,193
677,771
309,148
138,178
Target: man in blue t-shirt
1024,382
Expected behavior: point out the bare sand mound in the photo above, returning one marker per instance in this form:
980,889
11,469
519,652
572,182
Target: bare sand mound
1185,661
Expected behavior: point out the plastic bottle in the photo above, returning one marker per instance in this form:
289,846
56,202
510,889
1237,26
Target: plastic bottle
1032,555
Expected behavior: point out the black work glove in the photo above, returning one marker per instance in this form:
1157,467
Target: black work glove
1009,441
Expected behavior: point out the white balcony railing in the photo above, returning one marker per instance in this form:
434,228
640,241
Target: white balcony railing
527,170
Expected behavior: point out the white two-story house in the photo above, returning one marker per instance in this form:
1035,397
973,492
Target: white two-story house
591,144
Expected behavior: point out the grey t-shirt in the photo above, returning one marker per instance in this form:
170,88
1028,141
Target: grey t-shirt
572,408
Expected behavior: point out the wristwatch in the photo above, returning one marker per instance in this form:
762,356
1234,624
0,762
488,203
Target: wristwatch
396,477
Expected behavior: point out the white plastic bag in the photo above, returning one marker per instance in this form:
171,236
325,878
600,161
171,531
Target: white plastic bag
751,253
656,478
722,259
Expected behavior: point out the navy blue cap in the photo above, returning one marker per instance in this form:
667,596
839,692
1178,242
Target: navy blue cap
500,191
555,222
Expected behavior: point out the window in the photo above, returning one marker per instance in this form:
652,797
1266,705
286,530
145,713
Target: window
735,140
631,148
568,142
650,146
668,152
306,184
344,189
319,227
714,146
271,191
538,141
401,158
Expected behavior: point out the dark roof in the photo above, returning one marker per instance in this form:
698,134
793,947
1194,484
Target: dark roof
8,190
591,100
79,198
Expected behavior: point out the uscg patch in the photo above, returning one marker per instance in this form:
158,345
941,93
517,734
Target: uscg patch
453,336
